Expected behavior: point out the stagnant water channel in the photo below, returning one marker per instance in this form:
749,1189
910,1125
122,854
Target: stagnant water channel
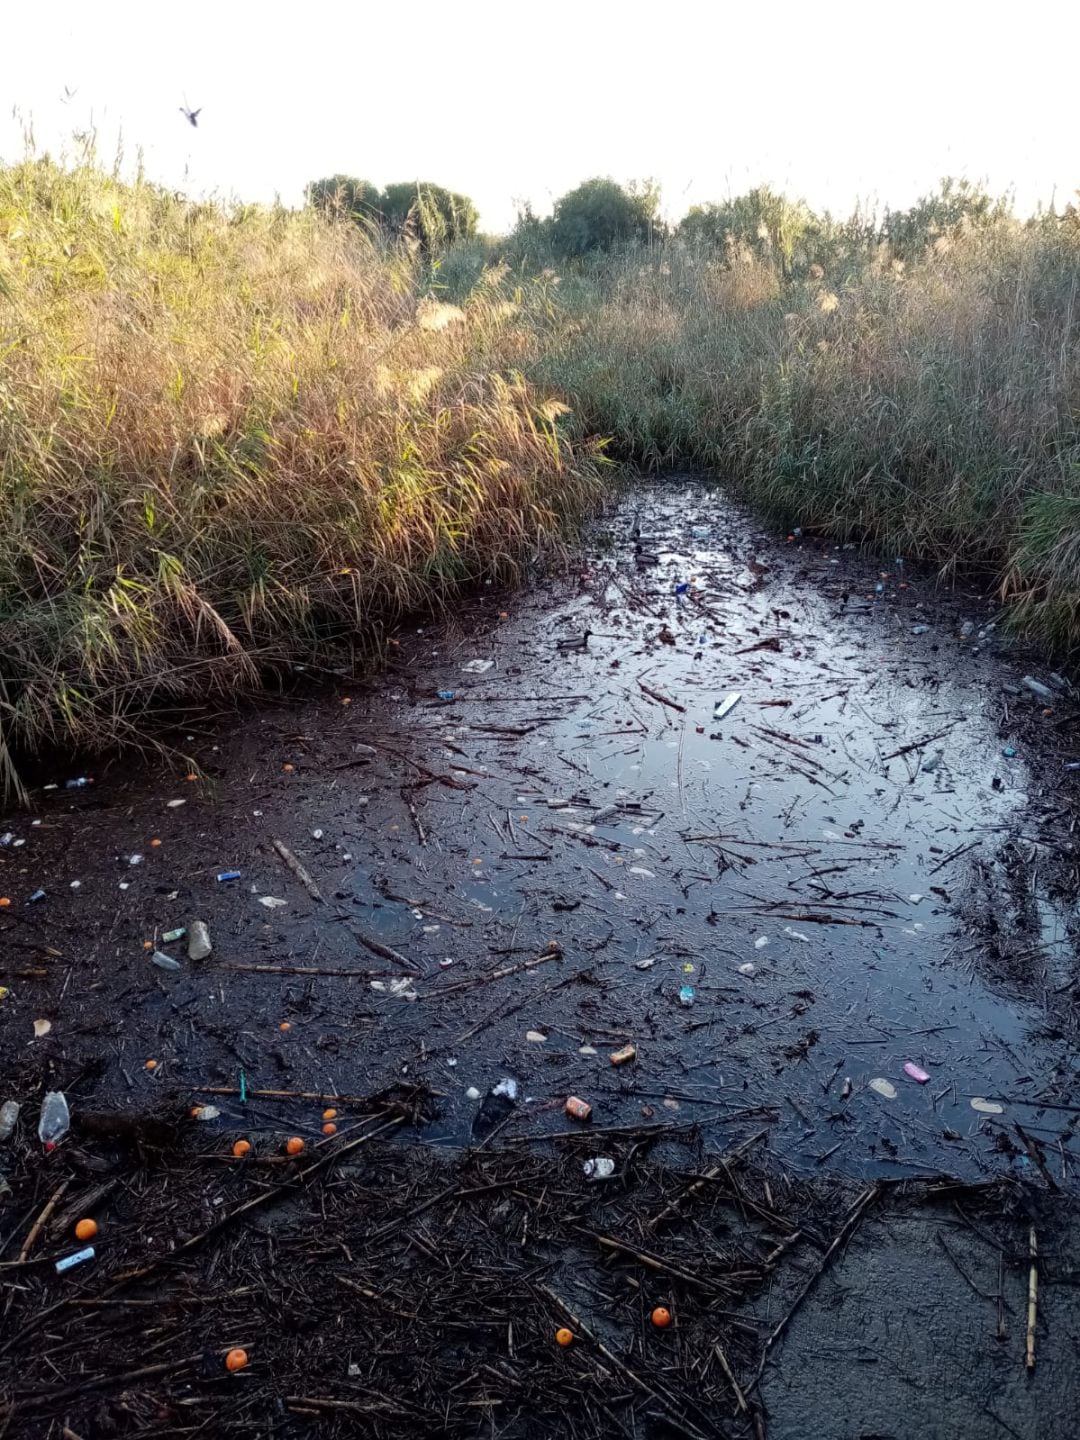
866,863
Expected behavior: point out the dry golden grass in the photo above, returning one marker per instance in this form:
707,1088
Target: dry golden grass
226,437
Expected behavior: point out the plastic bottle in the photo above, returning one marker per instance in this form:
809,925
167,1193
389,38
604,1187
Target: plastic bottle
1037,687
55,1119
9,1116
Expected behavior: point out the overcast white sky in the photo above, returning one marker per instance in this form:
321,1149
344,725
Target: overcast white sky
505,101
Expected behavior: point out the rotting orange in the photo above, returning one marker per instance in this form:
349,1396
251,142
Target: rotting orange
155,843
236,1359
329,1114
288,768
329,1128
241,1148
151,1065
4,902
661,1317
293,1145
86,1229
284,1025
564,1336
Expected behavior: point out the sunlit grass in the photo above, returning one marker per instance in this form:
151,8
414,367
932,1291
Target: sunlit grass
227,436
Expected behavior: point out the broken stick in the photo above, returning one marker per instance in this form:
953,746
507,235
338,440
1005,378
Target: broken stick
298,870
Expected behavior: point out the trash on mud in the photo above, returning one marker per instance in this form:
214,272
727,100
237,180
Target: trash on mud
446,694
35,897
761,942
846,1088
623,1055
577,1109
725,706
55,1119
478,667
915,1072
198,946
1037,688
271,902
498,1105
9,1118
1009,752
749,968
602,1168
79,1258
77,783
920,629
174,804
401,987
163,961
224,876
535,1037
934,763
41,1028
170,935
987,1107
644,964
796,935
686,996
205,1113
883,1087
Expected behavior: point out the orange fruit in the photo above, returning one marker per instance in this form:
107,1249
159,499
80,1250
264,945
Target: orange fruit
288,768
147,944
86,1229
661,1318
329,1114
191,777
4,901
564,1336
347,700
329,1128
294,1145
241,1148
151,1065
155,842
284,1025
236,1360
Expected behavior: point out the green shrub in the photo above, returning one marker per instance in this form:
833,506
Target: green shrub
601,214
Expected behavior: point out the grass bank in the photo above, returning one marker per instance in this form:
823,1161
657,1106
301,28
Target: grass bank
930,407
228,434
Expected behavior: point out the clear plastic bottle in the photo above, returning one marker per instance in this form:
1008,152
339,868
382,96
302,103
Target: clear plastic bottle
9,1116
55,1119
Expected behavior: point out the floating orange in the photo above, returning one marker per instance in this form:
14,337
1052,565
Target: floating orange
241,1148
86,1229
236,1360
294,1145
661,1318
329,1128
151,1065
329,1114
564,1336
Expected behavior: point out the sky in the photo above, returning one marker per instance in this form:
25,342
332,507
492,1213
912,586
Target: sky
833,101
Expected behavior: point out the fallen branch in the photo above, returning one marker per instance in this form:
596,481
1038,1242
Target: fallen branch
298,870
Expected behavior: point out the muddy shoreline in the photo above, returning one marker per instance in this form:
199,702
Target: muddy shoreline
513,857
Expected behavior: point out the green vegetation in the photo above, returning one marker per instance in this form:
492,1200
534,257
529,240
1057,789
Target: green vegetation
227,436
435,216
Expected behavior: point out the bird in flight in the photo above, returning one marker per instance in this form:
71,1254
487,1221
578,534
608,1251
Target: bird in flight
191,116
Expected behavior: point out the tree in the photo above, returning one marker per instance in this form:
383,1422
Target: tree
344,195
600,214
437,216
955,204
760,223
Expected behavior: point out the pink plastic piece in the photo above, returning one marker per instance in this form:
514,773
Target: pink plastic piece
916,1074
